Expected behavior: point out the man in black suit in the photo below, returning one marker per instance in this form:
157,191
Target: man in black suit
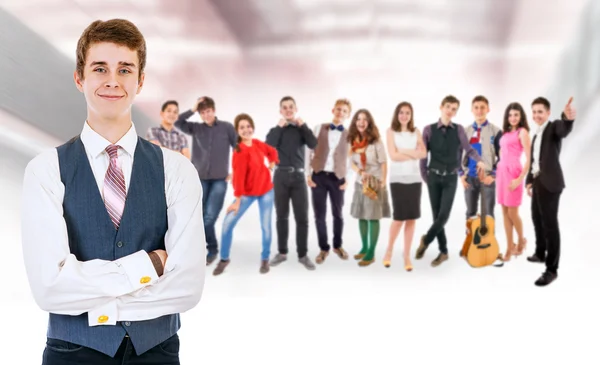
545,183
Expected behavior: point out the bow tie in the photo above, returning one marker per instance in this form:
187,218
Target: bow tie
338,127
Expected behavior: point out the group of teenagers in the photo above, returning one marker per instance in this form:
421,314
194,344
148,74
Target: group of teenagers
485,158
113,224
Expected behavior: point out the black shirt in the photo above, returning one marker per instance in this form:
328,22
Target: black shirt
290,142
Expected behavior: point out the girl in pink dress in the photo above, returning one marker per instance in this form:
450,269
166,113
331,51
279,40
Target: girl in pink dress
510,174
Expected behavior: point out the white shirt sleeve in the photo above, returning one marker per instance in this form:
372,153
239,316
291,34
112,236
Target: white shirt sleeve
181,286
59,282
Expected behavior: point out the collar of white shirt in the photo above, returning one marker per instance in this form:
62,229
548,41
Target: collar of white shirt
540,129
95,144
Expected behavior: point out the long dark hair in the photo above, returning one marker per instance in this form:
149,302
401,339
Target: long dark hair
236,123
506,127
372,132
396,125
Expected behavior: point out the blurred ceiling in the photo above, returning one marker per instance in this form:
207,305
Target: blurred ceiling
246,53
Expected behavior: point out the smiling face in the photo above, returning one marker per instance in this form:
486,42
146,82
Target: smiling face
449,110
170,114
514,118
110,81
341,112
404,116
540,113
362,123
245,130
480,110
288,110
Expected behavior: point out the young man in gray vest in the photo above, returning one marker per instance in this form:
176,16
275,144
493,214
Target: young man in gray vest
445,141
326,175
112,223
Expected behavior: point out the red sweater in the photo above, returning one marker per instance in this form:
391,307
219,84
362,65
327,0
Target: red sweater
251,177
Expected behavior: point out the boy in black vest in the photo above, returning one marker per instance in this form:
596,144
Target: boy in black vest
445,141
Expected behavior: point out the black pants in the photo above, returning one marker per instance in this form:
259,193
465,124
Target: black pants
291,186
58,352
544,213
442,190
328,184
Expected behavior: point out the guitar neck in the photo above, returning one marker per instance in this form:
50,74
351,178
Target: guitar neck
483,212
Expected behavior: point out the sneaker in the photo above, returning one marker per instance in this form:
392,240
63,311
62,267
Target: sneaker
264,266
307,263
278,259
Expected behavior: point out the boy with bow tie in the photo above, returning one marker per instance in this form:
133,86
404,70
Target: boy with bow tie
326,173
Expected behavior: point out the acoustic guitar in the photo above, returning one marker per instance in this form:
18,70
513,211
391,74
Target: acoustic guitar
483,249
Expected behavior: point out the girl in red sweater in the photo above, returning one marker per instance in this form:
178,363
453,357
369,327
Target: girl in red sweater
251,182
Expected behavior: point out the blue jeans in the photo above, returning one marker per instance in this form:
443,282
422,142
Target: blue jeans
213,196
265,207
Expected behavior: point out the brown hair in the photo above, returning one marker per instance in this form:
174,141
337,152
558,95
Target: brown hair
480,98
506,127
207,103
396,126
343,102
541,100
118,31
286,98
450,99
372,132
236,123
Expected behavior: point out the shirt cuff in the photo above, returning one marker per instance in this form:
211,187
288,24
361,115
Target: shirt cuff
139,269
104,315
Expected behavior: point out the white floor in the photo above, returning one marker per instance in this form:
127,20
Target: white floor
348,314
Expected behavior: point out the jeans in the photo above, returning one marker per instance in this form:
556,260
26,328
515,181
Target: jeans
442,190
213,196
265,207
473,194
291,186
58,352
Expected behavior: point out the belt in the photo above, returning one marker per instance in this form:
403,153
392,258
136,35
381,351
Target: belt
442,173
289,169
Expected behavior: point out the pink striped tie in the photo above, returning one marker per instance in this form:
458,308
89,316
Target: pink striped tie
114,187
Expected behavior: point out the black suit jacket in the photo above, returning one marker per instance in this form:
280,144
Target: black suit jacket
551,175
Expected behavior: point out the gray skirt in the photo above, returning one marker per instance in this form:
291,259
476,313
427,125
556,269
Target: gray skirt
364,207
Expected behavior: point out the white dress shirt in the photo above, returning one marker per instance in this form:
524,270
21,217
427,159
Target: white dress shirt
333,139
537,145
111,291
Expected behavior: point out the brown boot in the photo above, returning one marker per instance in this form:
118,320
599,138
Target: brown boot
220,267
264,266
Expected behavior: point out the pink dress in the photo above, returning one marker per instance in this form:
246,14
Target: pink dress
509,168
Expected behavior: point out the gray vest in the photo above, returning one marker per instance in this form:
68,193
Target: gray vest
93,236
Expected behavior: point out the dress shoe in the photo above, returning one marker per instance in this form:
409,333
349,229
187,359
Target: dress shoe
546,278
536,258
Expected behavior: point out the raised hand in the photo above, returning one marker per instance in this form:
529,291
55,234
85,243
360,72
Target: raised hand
570,111
282,122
